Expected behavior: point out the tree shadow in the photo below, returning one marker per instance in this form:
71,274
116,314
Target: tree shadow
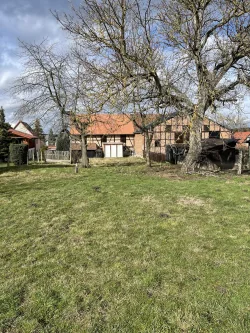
22,168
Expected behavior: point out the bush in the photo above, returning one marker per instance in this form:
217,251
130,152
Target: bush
63,142
18,153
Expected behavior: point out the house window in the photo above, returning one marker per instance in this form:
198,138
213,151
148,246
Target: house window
206,128
123,139
214,134
168,128
179,137
157,143
104,138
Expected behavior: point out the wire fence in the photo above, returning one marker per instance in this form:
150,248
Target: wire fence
57,155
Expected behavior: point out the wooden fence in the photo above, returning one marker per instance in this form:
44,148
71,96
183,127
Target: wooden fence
31,154
57,155
157,157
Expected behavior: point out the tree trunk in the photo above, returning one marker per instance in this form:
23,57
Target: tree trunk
85,160
191,162
148,137
239,166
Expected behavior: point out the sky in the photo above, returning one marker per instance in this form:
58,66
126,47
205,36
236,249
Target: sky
30,21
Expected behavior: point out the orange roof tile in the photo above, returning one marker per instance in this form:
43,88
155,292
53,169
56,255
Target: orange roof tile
241,136
21,134
104,124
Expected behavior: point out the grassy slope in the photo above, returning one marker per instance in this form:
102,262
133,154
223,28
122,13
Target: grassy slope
120,249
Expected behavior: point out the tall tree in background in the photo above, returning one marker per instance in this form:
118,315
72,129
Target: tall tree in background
51,138
4,137
38,130
189,55
63,142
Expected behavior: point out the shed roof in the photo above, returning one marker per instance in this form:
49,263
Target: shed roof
108,124
21,134
241,136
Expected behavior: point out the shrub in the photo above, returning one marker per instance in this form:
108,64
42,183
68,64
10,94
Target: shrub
18,153
63,142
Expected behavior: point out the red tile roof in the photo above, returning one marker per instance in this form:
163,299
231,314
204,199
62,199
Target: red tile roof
21,134
104,124
241,136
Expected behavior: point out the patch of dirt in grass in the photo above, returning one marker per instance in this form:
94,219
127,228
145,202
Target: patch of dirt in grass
5,201
187,201
80,205
150,199
59,218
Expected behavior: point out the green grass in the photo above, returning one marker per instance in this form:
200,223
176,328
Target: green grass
120,248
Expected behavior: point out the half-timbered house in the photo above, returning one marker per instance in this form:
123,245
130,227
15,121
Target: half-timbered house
116,136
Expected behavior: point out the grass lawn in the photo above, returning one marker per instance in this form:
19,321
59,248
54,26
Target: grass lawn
119,248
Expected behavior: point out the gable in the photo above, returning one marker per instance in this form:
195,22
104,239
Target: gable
22,127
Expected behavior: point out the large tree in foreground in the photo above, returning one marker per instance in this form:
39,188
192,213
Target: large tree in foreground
211,39
189,55
122,53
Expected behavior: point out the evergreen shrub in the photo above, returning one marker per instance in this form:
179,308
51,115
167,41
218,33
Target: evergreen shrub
18,153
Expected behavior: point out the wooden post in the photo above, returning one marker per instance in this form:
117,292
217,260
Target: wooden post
76,168
37,154
248,155
239,170
70,151
33,155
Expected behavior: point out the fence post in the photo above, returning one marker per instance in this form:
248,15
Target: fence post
248,162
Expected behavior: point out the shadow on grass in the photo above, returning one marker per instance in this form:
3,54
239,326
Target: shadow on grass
113,164
21,168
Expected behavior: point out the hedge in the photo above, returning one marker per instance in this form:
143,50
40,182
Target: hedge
18,153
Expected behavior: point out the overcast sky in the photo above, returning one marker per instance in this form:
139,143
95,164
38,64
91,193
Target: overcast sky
29,21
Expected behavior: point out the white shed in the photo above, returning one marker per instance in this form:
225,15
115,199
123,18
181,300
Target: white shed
113,149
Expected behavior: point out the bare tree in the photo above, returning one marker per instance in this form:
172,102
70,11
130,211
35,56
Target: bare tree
129,43
210,39
43,85
123,52
55,83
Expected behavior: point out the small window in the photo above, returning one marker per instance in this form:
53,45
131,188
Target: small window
168,128
206,128
179,137
157,143
104,138
214,134
123,138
